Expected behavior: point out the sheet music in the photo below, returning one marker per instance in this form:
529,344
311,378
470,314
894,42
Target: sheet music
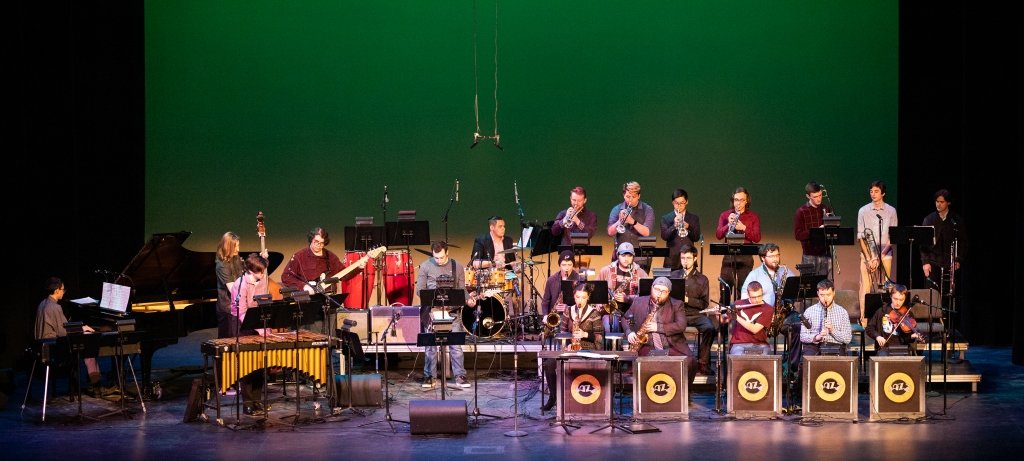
86,300
524,241
115,297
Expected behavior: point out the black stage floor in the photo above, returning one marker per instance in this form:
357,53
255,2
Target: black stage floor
958,423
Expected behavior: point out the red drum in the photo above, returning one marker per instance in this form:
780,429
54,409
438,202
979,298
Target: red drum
399,277
357,299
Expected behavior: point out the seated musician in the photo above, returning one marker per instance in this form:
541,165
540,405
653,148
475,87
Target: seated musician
49,324
827,323
663,320
752,318
894,324
623,277
253,282
584,322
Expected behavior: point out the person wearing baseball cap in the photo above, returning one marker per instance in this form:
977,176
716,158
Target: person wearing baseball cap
623,277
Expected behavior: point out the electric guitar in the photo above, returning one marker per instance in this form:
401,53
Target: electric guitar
261,231
374,253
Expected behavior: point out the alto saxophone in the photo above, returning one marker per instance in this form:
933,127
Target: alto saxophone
613,306
641,333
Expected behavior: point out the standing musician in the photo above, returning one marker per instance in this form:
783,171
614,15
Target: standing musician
584,322
662,320
753,316
575,219
679,228
441,269
811,215
552,300
695,300
252,282
876,252
631,219
623,277
738,219
314,261
488,248
894,324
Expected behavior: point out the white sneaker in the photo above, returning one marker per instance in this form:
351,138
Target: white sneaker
462,381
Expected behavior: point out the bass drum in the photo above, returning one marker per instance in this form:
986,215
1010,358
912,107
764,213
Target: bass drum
492,318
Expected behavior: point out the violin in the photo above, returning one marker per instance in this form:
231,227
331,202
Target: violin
908,325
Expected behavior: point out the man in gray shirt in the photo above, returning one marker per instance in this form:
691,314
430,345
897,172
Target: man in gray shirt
440,270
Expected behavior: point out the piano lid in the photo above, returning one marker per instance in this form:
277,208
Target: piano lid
164,270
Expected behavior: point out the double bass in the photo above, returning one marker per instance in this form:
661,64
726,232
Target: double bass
261,231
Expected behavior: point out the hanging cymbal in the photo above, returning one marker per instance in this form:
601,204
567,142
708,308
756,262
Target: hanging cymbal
512,250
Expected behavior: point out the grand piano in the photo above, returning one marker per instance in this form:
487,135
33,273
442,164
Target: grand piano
174,293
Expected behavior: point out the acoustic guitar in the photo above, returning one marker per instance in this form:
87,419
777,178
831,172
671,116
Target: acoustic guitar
261,230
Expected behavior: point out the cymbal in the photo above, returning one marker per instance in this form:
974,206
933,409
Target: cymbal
511,250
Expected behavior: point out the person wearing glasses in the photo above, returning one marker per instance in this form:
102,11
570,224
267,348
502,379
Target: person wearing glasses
630,220
679,228
742,221
310,263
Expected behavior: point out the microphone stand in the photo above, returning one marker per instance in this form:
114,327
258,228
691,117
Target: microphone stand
718,360
383,338
476,374
444,218
515,432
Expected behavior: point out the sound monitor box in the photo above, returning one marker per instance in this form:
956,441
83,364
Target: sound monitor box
897,387
661,388
438,417
362,326
584,390
830,386
367,390
755,389
406,328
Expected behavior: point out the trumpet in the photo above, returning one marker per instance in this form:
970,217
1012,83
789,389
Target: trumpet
681,226
569,214
620,227
733,219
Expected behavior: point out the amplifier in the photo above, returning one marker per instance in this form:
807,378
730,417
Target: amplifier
406,328
362,326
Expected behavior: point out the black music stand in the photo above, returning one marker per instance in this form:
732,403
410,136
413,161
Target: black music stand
441,334
125,334
363,238
797,287
271,314
832,236
581,250
544,242
735,250
908,235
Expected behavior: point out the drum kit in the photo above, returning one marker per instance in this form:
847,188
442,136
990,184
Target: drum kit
494,309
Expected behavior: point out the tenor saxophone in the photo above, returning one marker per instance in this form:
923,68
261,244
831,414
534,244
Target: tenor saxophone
575,344
641,333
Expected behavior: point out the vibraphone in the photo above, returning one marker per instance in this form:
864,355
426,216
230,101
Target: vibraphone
308,354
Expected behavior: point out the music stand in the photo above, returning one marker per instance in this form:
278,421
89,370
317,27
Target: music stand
544,242
734,249
271,314
832,236
581,250
441,334
908,235
797,287
125,334
363,238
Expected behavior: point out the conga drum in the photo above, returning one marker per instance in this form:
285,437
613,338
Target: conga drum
354,285
399,276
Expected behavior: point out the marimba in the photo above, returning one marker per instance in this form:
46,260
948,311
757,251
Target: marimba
306,353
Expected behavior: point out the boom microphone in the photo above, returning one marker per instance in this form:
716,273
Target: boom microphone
456,190
515,184
386,200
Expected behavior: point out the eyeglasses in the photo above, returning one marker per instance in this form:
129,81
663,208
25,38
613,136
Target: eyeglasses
319,242
735,199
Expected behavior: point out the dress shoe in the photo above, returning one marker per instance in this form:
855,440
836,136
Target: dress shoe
256,409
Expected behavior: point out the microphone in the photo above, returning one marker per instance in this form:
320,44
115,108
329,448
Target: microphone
823,187
952,221
916,300
515,184
386,200
723,282
476,140
878,216
456,190
804,320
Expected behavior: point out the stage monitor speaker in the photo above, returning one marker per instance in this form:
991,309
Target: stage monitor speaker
661,388
367,390
830,386
755,389
362,326
897,387
405,331
438,417
585,389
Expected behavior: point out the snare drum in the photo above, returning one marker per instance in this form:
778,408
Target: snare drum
398,277
492,317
